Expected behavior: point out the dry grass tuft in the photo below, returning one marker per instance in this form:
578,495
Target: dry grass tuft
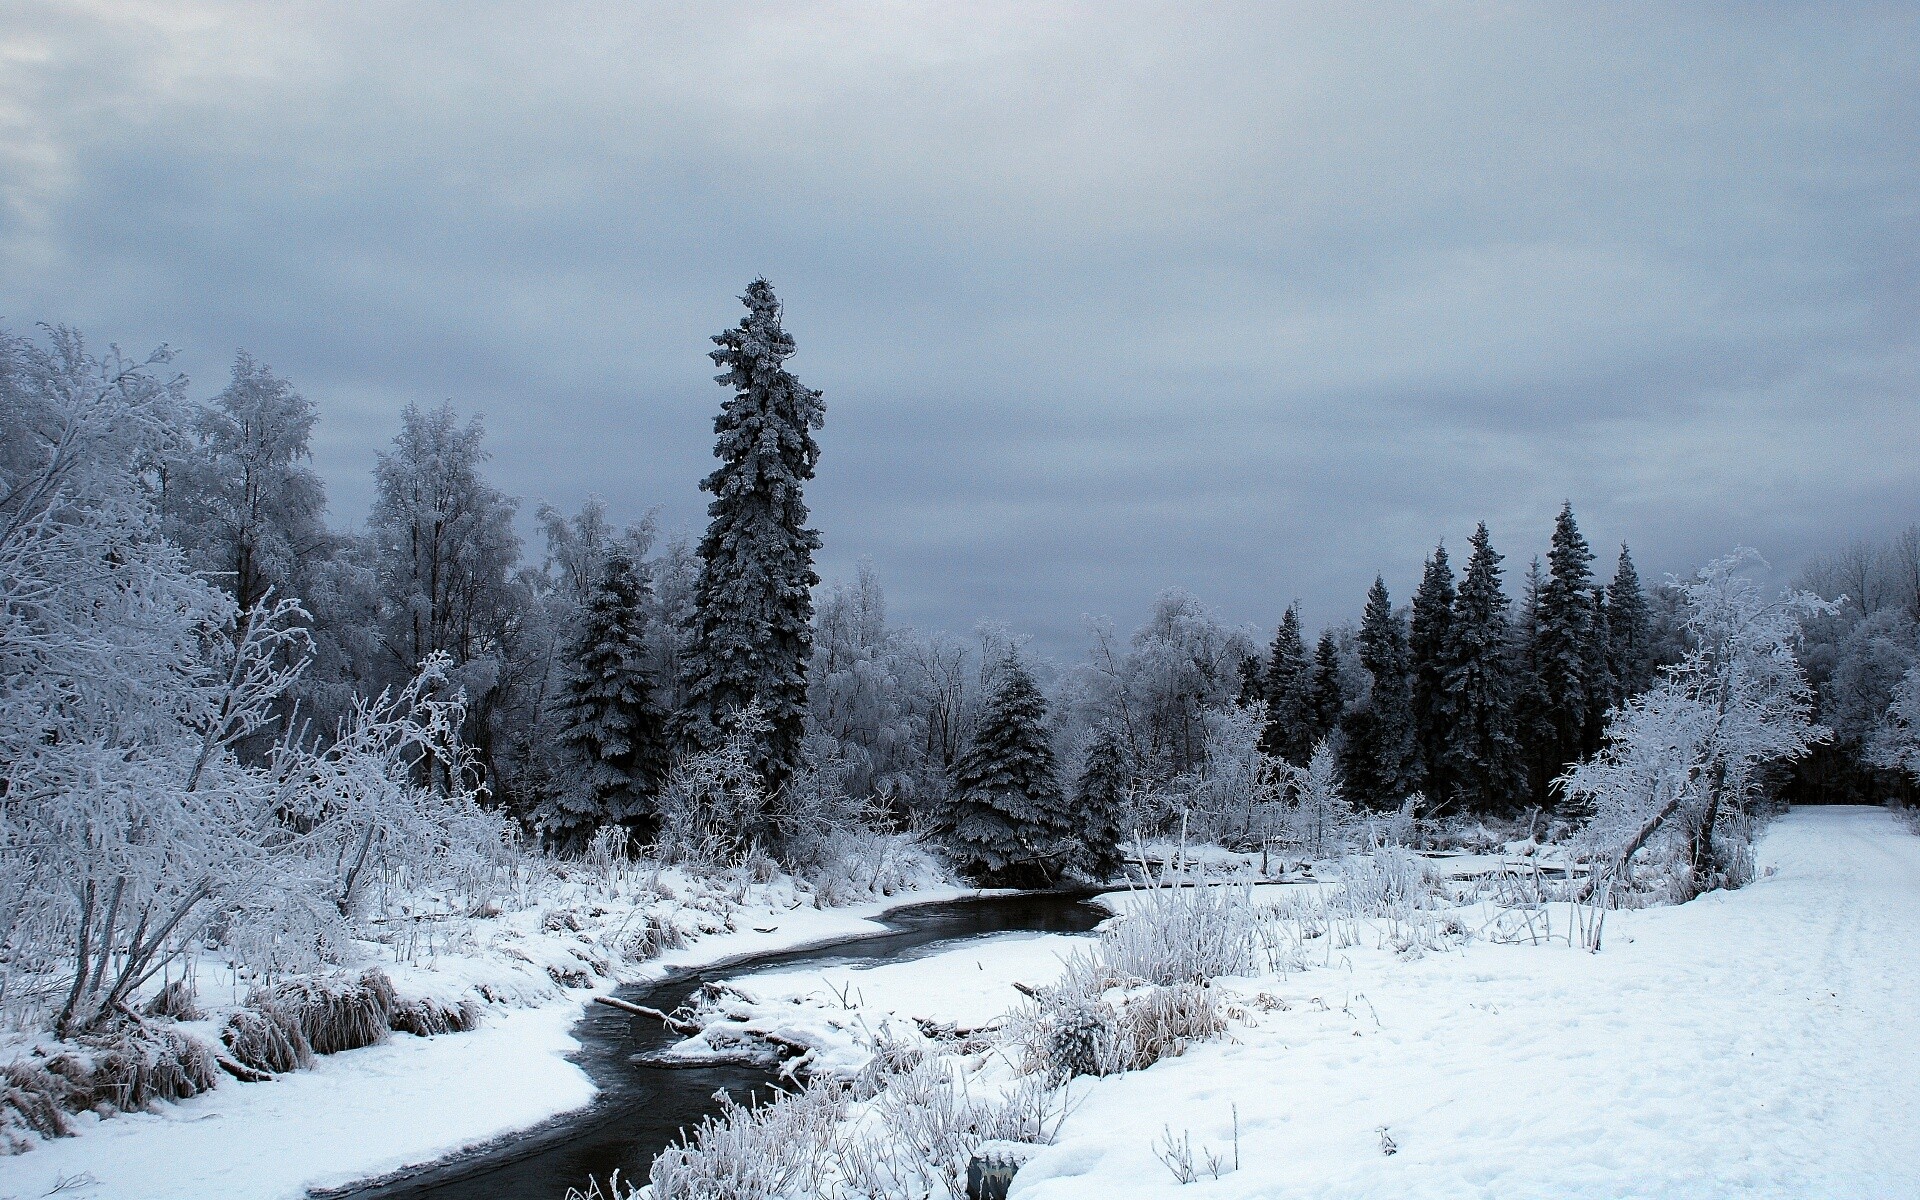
428,1017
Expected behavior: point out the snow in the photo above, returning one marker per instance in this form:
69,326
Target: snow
405,1101
1752,1043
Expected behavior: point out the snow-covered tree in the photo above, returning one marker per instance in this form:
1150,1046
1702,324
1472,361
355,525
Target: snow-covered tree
444,547
1426,648
753,623
128,823
861,699
1482,754
1009,821
1100,803
1895,744
1180,665
1688,753
615,733
1377,756
1318,813
1287,694
241,499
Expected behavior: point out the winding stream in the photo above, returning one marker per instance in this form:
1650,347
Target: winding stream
640,1108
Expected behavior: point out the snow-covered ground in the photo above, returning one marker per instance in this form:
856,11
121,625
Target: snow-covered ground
407,1100
1755,1043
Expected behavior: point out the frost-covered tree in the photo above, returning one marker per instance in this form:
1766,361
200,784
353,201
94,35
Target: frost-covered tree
1629,631
1100,803
1180,665
753,619
240,497
1318,814
444,548
129,827
1482,754
861,697
1895,743
1377,757
1009,821
614,732
1287,694
1689,752
1426,649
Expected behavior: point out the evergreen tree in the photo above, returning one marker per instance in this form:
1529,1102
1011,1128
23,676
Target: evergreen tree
1377,760
1099,802
1563,646
752,629
1532,711
1482,756
612,728
1287,689
1600,685
1426,647
1009,823
1329,697
1629,631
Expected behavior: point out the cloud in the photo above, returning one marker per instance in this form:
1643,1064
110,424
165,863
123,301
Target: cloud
1104,298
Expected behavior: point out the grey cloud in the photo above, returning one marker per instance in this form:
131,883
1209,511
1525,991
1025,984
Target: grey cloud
1103,299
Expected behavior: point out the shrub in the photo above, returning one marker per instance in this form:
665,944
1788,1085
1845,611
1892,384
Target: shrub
426,1017
266,1038
337,1013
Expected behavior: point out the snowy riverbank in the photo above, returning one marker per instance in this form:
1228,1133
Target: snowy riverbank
407,1100
1749,1043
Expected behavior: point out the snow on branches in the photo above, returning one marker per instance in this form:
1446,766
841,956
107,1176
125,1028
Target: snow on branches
1686,754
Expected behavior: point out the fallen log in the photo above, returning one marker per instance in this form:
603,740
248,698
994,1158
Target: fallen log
241,1071
640,1010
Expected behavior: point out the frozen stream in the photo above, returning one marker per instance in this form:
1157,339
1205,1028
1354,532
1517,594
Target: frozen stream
641,1109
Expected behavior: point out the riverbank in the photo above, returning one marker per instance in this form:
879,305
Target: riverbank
407,1100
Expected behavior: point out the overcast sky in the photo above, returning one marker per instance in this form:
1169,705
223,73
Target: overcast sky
1103,298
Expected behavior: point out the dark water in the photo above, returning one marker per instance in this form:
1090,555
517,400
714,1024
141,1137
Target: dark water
641,1109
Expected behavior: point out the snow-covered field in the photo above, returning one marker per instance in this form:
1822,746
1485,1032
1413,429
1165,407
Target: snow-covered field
1754,1043
407,1100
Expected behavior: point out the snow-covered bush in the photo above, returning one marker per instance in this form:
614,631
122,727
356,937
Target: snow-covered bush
713,800
1316,816
1173,934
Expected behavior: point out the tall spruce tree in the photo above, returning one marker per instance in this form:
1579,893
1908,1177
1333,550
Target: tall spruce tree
1426,648
1329,697
1287,686
1600,686
1563,646
612,728
752,626
1099,803
1629,631
1482,755
1533,725
1377,759
1009,822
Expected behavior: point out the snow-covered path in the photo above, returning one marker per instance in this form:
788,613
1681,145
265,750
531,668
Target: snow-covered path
1758,1043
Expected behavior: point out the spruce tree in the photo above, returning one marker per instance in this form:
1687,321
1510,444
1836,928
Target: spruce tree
752,628
612,728
1600,685
1563,645
1009,823
1533,710
1482,756
1329,697
1629,631
1377,760
1287,688
1099,803
1426,646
